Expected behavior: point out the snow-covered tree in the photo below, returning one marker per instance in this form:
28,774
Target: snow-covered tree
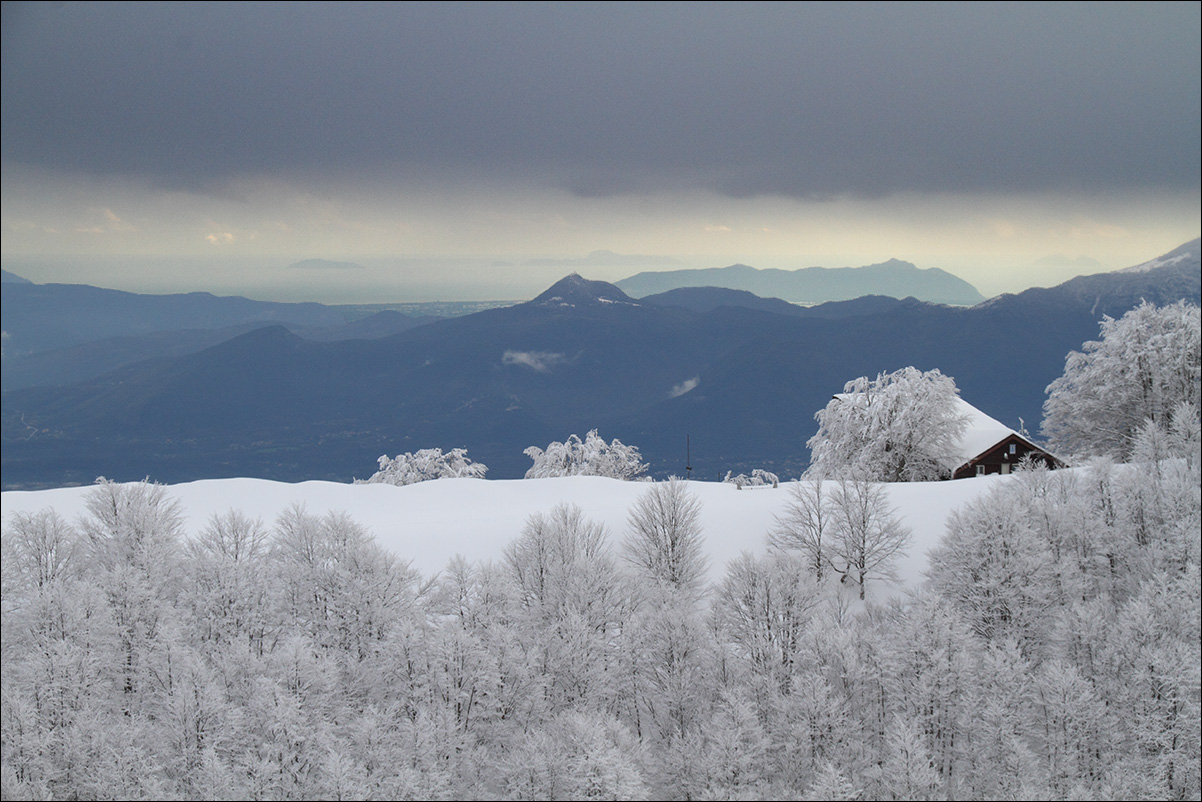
868,536
806,526
899,427
590,457
567,588
577,755
134,525
1146,365
559,558
339,586
762,609
40,549
135,533
665,536
426,464
908,771
230,581
991,541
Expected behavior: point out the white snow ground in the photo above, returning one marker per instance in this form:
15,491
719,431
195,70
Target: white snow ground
430,522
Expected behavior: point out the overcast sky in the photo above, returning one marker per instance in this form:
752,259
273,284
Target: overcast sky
158,145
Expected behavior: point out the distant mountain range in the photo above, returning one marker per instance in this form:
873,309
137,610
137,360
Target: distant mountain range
811,285
707,299
742,383
58,334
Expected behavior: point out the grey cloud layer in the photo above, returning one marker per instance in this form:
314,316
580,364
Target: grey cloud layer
806,100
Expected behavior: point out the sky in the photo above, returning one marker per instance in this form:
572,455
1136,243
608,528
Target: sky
481,151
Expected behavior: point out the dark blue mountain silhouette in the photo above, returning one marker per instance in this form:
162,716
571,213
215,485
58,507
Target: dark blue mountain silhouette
743,384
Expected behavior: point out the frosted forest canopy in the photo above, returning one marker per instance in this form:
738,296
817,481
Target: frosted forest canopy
1052,652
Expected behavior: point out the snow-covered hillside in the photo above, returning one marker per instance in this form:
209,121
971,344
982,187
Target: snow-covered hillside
306,663
431,522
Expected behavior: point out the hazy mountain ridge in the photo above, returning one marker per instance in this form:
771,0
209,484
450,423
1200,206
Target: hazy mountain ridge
706,299
12,278
60,334
40,317
742,384
893,278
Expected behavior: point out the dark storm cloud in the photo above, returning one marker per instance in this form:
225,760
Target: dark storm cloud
807,100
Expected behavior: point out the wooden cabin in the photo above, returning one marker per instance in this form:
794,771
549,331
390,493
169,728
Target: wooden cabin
988,446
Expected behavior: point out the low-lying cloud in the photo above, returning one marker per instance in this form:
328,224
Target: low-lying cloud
685,386
541,361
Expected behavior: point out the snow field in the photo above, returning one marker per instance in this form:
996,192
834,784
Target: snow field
431,522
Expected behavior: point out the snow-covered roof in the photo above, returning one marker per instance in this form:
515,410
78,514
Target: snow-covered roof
981,434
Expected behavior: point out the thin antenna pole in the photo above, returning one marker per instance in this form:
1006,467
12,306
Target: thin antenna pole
688,458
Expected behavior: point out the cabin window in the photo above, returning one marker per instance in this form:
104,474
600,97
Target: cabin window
1013,448
980,470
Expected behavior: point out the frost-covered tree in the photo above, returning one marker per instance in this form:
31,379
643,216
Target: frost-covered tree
40,549
338,585
899,427
1146,364
135,525
868,536
665,536
426,464
590,457
230,581
568,594
576,755
762,609
135,532
806,526
908,771
559,559
991,542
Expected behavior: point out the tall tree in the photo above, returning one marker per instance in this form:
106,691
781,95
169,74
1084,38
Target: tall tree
868,535
806,526
1147,363
664,540
135,532
570,605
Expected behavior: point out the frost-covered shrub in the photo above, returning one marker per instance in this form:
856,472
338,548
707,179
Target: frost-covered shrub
759,478
590,457
428,463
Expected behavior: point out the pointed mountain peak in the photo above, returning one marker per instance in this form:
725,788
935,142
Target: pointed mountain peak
575,290
895,264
